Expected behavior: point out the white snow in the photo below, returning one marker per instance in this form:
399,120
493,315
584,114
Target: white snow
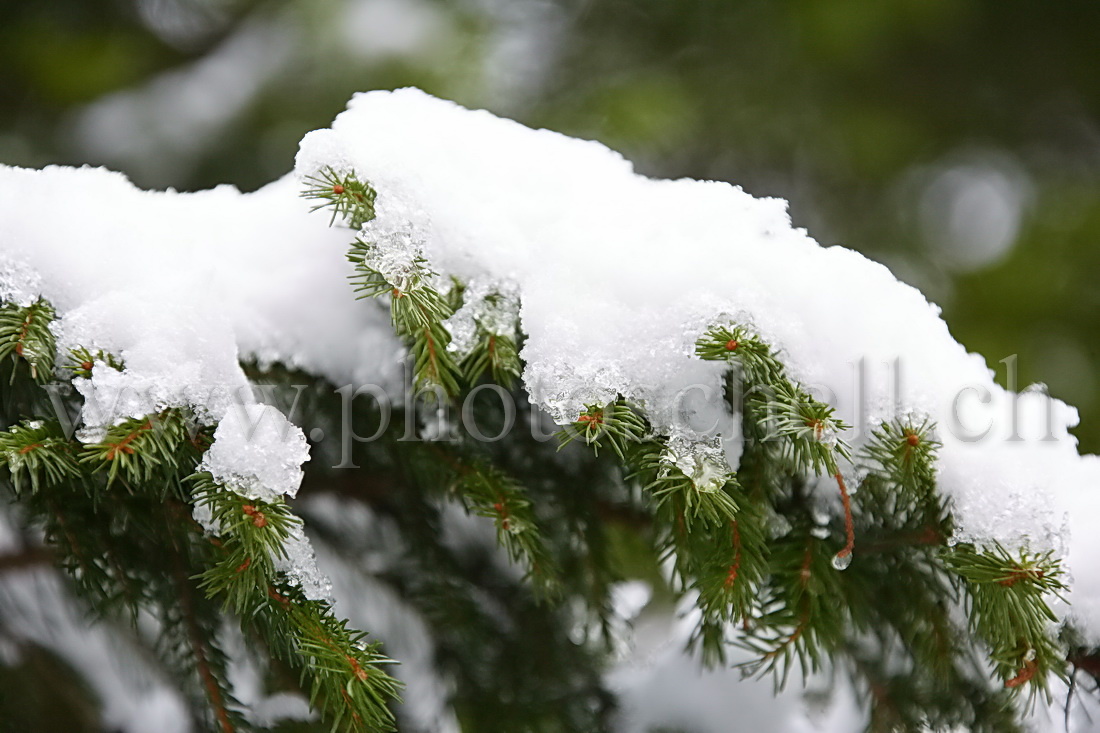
616,275
182,287
257,452
300,566
492,307
619,273
18,283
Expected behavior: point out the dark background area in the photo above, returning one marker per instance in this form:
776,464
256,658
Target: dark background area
958,141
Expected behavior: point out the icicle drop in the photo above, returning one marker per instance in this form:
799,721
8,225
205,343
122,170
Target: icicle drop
840,562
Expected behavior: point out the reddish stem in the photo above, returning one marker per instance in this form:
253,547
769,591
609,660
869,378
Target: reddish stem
124,444
731,576
849,525
1025,674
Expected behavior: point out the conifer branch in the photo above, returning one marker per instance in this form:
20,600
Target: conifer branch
417,310
490,493
808,429
496,355
696,480
81,361
198,638
1007,607
715,523
150,454
616,424
345,675
35,452
251,533
733,566
137,448
25,337
801,619
904,454
350,199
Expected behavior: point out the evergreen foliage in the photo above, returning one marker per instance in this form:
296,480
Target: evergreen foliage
118,512
765,566
720,529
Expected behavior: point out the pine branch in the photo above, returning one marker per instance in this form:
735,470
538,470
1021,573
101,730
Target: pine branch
252,536
417,310
490,493
807,427
801,617
150,454
616,424
1007,607
716,525
729,577
694,479
350,199
81,361
25,337
345,675
36,452
137,448
737,346
496,355
904,454
201,650
495,323
432,364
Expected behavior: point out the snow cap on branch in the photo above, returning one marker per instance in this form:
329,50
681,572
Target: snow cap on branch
618,274
257,452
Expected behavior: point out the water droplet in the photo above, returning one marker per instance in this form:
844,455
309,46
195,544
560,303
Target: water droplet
820,532
840,562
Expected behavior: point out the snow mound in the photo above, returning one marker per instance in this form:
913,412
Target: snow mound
619,274
182,287
257,453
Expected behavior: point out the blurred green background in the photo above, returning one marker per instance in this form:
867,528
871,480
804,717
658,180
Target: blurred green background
958,141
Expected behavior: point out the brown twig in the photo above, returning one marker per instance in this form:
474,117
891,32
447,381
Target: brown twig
198,648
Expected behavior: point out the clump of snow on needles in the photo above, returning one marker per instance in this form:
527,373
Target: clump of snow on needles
618,274
182,287
257,452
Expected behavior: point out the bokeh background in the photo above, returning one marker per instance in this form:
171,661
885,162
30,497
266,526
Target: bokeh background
957,141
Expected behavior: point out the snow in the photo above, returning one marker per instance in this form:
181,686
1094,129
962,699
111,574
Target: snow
229,270
704,463
257,453
182,287
619,273
614,276
300,566
492,307
18,283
